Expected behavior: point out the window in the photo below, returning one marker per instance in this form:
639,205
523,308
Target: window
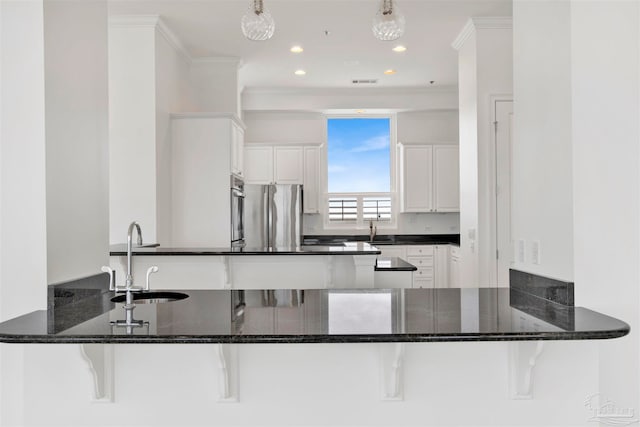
359,170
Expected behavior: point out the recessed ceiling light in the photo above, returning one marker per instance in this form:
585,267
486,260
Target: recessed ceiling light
361,111
296,49
399,48
390,72
300,72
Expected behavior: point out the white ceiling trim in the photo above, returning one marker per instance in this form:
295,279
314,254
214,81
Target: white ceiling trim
156,22
481,23
409,90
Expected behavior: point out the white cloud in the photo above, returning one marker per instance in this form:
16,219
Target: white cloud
336,168
376,143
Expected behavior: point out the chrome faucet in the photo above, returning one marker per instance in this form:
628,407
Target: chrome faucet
372,231
128,287
129,278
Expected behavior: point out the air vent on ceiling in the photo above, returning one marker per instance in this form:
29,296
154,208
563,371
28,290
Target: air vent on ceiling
364,81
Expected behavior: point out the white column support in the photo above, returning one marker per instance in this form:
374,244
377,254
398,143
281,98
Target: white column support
99,357
227,355
365,273
392,371
523,356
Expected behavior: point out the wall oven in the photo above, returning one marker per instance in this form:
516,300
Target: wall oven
237,211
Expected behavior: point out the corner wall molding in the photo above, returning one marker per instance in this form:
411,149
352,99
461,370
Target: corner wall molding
481,23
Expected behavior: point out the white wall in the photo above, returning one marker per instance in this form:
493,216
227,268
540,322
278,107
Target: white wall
23,239
173,92
576,159
441,127
76,103
23,226
401,99
542,192
132,130
484,70
605,40
216,84
467,88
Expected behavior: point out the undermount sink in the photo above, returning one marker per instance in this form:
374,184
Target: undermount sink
152,297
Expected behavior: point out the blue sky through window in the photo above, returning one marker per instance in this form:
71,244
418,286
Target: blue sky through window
358,155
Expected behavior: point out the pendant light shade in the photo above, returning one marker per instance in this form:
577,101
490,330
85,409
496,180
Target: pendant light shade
257,23
388,24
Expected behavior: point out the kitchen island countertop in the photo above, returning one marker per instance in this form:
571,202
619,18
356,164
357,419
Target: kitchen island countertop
348,248
325,316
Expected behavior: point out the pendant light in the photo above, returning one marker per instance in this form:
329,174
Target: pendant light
257,23
388,24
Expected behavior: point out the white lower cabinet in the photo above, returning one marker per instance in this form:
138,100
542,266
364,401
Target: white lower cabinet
432,262
423,258
454,267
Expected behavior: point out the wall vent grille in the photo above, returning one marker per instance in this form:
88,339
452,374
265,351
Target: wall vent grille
364,81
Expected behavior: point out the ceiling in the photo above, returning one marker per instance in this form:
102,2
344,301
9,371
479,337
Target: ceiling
336,36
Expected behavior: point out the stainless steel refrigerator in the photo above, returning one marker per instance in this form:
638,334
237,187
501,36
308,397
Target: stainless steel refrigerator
272,216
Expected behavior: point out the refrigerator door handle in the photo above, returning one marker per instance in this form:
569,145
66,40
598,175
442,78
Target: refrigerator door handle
267,206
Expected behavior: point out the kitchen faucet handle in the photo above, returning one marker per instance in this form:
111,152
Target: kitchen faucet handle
112,277
151,270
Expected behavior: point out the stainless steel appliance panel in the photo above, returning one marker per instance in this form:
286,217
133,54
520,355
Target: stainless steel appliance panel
273,216
237,211
286,216
256,215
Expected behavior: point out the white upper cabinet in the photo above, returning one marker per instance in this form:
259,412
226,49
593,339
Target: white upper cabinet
266,164
288,165
429,176
258,164
446,178
417,178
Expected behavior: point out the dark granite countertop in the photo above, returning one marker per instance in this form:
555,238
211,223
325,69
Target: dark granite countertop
386,239
348,248
325,316
393,264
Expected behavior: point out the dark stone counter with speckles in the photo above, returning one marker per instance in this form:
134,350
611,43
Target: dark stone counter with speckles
321,316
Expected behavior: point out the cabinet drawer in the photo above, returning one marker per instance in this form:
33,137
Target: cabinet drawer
419,250
423,283
422,261
423,273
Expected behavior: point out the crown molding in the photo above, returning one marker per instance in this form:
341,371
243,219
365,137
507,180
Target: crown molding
350,91
158,24
481,23
172,39
209,115
217,60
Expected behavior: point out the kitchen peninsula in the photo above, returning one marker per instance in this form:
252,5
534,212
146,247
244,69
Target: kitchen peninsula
320,316
349,264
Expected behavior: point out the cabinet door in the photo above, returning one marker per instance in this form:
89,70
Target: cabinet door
417,178
288,165
442,266
311,202
258,165
446,177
